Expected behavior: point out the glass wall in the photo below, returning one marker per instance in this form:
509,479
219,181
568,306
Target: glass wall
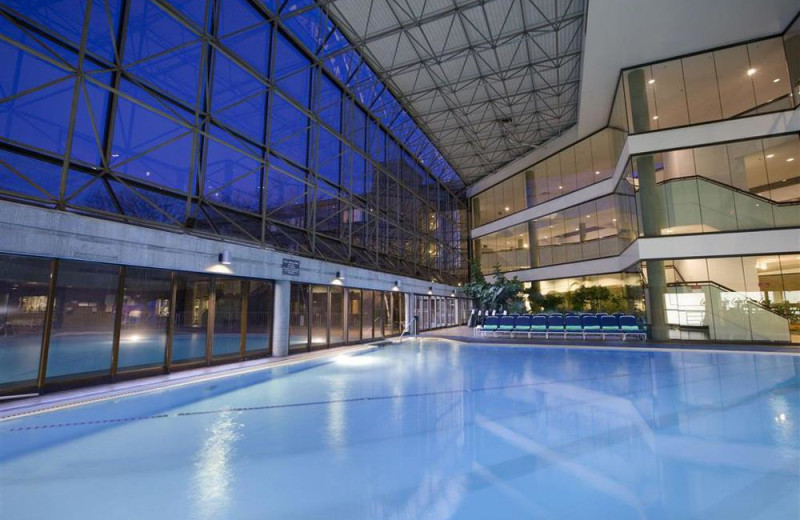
299,317
24,290
736,186
595,229
354,310
336,335
145,318
260,298
434,312
82,337
367,315
736,81
621,292
191,317
295,131
64,321
586,162
333,311
791,41
751,298
227,318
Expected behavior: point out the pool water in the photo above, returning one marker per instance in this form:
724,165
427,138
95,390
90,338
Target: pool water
429,429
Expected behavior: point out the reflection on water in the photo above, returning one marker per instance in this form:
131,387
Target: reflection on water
213,473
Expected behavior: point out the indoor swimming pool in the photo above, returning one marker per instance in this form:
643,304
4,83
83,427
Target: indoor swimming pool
429,429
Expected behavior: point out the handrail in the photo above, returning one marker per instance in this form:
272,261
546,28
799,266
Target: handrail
732,188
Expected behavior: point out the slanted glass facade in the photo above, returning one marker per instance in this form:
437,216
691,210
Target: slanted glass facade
251,121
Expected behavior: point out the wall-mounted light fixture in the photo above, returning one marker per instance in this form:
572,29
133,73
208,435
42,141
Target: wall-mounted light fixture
225,257
396,286
339,278
430,290
453,294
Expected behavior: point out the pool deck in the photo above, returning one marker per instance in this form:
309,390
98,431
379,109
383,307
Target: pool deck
69,398
465,334
66,399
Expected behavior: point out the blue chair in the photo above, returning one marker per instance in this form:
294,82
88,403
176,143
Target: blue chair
506,324
522,325
538,326
591,325
609,326
572,326
555,325
630,327
490,324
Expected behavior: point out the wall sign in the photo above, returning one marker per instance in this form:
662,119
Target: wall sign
290,267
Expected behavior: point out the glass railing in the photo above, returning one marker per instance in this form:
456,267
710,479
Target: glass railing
595,229
737,186
722,314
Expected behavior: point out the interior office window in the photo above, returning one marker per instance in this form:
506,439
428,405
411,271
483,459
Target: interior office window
83,320
191,317
735,85
260,297
337,316
702,92
227,317
319,316
298,318
145,318
773,90
23,303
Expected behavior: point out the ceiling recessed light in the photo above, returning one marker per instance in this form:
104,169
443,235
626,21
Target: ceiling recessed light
561,187
655,118
750,72
776,80
507,208
577,229
597,172
613,220
790,159
651,81
770,156
588,216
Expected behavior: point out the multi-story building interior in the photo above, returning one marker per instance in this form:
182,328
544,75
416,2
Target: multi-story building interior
186,183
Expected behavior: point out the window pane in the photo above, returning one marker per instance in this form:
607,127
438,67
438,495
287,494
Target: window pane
354,315
735,86
366,319
83,320
227,317
701,88
23,293
298,318
337,315
191,317
319,316
145,317
259,316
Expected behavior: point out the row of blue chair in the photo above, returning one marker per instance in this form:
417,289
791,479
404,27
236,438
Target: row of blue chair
558,325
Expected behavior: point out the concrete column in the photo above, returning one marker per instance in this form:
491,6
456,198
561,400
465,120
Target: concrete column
652,209
280,319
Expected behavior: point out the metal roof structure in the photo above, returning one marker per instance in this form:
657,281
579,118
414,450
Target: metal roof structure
487,80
